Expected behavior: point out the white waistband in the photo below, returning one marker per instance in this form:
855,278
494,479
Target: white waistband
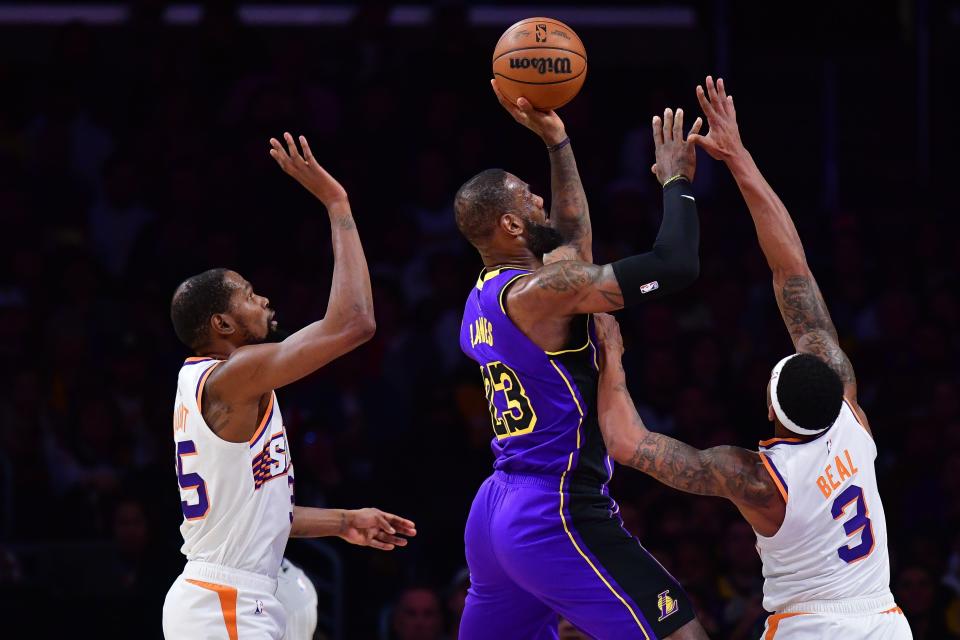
209,572
872,604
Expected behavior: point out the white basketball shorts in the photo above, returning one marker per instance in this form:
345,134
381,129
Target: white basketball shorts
211,602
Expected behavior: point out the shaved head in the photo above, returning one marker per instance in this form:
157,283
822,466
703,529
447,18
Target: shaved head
482,200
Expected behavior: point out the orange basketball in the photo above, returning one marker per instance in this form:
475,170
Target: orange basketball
542,60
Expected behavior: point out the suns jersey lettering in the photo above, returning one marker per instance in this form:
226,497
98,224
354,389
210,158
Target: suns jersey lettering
832,544
236,497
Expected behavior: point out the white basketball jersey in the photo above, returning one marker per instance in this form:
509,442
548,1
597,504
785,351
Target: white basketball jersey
833,542
237,497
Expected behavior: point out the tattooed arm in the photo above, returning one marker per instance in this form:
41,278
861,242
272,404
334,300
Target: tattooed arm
569,213
729,472
798,296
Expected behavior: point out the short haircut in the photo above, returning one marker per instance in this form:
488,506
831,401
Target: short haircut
195,301
810,392
479,203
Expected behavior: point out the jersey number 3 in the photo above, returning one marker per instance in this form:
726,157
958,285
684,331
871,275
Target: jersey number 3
510,408
191,481
859,523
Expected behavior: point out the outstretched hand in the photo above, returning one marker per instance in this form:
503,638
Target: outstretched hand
307,171
723,140
546,124
675,156
374,528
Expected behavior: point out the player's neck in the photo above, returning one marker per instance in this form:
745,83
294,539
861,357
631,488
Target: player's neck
496,259
780,431
220,350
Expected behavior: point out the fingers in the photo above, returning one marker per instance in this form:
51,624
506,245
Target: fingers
695,129
712,92
277,152
678,125
376,544
383,523
657,132
388,539
292,147
404,526
705,105
721,92
524,105
653,169
668,124
307,153
511,107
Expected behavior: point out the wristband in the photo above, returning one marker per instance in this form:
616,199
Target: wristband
559,145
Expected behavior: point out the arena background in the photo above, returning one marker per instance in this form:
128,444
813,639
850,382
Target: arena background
133,153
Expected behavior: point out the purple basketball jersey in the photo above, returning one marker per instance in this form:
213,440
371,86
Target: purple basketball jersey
542,404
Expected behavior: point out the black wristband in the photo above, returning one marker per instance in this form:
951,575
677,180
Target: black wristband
559,145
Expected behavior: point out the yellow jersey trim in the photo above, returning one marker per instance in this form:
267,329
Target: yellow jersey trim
507,286
587,344
486,275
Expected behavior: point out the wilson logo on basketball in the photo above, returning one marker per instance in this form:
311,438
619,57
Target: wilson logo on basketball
542,65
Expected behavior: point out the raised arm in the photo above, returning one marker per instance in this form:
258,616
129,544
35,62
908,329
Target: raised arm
254,370
798,296
569,212
730,472
570,287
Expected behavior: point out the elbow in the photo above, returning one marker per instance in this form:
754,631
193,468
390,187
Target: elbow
362,328
688,272
683,272
620,450
618,445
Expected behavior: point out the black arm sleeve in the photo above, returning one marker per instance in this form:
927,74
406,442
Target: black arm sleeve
674,262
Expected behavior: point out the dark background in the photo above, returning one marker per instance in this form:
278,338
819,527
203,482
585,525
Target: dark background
134,155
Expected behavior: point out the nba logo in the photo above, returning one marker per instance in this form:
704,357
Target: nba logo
667,605
259,610
541,33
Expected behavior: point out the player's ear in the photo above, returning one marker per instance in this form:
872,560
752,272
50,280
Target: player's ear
221,324
512,224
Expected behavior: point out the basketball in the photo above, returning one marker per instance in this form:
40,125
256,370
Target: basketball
542,60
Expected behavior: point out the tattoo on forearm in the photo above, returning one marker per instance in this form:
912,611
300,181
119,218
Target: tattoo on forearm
569,204
810,325
346,223
719,471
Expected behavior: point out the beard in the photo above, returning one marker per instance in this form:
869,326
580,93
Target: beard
272,334
542,239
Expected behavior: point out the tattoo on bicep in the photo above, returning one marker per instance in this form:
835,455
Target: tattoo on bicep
567,276
803,306
810,325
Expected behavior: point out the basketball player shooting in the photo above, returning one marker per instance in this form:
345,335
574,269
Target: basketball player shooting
232,456
810,493
543,536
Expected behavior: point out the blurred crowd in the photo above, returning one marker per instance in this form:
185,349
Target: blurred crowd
131,158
